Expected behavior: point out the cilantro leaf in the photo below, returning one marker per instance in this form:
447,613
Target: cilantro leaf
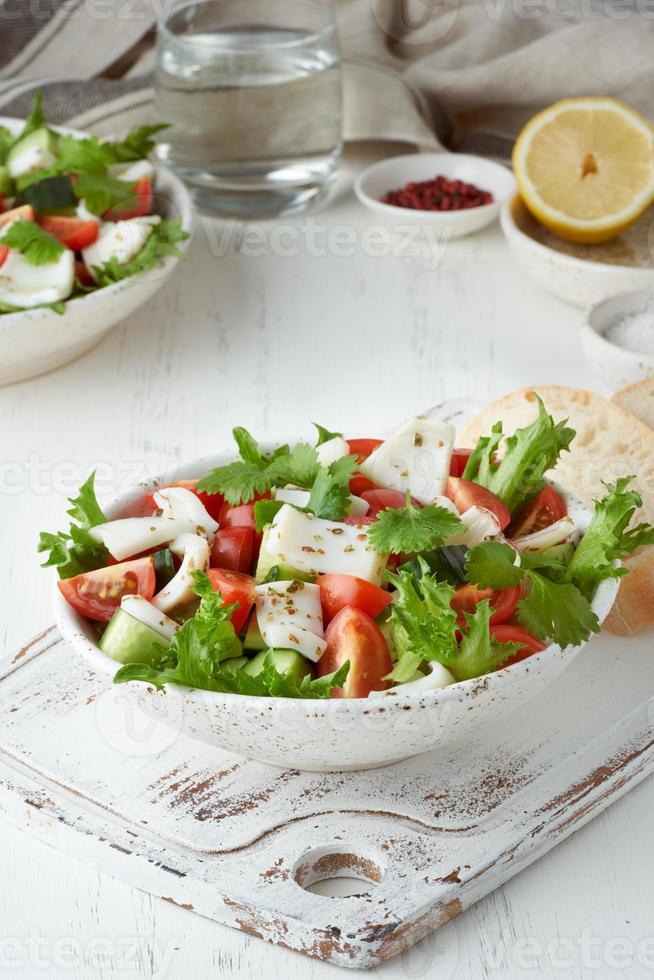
36,245
422,622
609,536
35,119
247,446
198,647
412,528
238,482
137,144
330,493
299,466
83,156
102,192
556,611
527,455
324,435
76,551
493,565
161,241
265,512
479,652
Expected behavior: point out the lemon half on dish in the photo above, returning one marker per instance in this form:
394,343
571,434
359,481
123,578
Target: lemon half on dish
585,167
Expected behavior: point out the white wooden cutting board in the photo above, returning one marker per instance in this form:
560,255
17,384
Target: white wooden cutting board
236,841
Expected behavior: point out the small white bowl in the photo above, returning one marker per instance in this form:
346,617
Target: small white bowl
39,340
371,185
581,281
613,364
330,735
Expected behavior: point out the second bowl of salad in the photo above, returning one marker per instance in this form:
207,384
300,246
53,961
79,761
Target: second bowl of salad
89,230
342,603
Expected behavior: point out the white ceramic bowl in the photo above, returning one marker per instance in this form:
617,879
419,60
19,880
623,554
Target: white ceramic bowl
613,364
581,281
328,736
39,340
371,185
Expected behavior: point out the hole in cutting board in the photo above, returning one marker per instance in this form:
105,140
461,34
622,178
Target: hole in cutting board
337,873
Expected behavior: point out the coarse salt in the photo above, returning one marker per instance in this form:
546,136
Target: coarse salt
634,332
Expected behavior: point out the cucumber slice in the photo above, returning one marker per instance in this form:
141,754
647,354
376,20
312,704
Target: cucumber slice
253,638
5,182
52,195
130,642
236,663
285,662
35,151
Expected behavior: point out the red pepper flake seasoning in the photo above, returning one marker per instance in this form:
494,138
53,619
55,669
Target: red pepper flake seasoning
439,194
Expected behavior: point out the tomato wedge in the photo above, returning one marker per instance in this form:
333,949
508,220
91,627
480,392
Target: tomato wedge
514,634
503,602
338,591
234,587
459,461
240,516
24,213
382,499
74,233
83,274
362,447
354,636
546,508
139,196
97,594
466,493
360,484
4,252
353,519
233,549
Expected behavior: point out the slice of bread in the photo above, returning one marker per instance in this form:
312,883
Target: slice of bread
639,400
610,443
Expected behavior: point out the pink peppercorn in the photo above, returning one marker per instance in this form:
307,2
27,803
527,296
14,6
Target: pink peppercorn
439,194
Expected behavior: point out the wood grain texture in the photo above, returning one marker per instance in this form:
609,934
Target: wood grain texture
357,341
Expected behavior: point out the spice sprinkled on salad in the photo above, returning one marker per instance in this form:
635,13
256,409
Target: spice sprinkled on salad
76,214
348,567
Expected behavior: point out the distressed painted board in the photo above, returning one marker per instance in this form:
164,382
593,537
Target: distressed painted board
236,841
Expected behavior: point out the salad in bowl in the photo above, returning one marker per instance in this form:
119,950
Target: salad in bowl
76,213
376,581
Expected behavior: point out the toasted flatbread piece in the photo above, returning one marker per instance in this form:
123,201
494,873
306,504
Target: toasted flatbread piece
610,442
639,400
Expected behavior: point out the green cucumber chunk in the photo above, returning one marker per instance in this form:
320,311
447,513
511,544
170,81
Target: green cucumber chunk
253,638
284,661
52,195
236,663
130,642
164,568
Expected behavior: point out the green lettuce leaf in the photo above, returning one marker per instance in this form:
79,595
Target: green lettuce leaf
77,552
162,241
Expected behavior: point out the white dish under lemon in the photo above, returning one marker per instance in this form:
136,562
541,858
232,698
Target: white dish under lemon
329,735
34,341
579,274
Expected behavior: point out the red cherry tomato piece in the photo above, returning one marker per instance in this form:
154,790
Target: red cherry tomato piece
74,233
363,447
360,484
338,591
139,196
234,587
382,499
506,633
354,520
503,602
546,508
233,549
97,594
354,636
4,252
459,461
465,494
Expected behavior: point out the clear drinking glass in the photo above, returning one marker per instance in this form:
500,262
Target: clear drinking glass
252,90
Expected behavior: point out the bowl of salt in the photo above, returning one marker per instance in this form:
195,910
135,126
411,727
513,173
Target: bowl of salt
618,338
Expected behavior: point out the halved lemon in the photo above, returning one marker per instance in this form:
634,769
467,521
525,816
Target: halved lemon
585,167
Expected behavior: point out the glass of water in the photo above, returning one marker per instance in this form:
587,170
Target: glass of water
252,90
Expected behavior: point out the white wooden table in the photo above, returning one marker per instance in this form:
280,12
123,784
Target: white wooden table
314,318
